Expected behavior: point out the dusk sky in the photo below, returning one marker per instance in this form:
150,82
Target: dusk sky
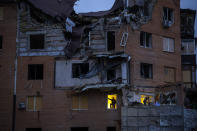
100,5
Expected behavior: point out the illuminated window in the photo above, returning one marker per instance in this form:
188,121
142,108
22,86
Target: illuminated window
34,103
146,99
112,101
79,102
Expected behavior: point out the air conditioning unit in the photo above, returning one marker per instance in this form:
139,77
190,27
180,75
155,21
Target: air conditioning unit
21,106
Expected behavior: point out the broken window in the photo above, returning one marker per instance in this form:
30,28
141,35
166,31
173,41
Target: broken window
33,129
1,42
79,128
112,101
168,44
111,128
168,17
1,13
110,40
37,41
146,70
145,39
79,102
34,103
146,99
111,74
169,74
35,72
124,39
79,69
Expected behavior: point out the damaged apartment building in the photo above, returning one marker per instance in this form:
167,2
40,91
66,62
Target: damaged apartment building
83,72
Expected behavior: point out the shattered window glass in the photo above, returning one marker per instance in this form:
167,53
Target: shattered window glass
168,16
37,41
111,74
79,69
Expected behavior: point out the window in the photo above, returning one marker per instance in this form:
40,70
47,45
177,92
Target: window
187,78
145,39
33,129
188,48
110,40
79,102
168,17
79,128
79,69
1,13
35,72
34,103
111,128
124,39
146,99
112,101
169,74
111,74
37,41
146,70
1,42
168,44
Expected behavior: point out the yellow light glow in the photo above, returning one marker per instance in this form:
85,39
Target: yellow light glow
144,96
111,98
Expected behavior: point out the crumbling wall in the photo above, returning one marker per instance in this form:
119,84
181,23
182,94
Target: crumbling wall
54,37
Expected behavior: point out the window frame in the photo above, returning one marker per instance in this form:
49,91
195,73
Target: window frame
107,42
168,44
34,104
167,67
151,71
72,71
143,39
79,102
35,69
29,41
116,105
172,15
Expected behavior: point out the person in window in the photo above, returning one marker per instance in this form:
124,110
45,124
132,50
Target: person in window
113,103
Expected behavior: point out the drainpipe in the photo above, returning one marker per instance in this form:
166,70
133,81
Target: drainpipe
15,74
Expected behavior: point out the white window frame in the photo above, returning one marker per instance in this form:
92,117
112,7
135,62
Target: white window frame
145,42
124,39
168,44
169,21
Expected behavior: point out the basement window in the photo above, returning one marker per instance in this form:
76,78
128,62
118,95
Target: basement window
168,44
34,103
111,128
35,72
79,69
112,101
169,74
168,17
145,39
37,41
1,42
146,70
79,102
110,40
111,74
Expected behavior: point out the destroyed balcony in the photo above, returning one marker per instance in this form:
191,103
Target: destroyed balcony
101,71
